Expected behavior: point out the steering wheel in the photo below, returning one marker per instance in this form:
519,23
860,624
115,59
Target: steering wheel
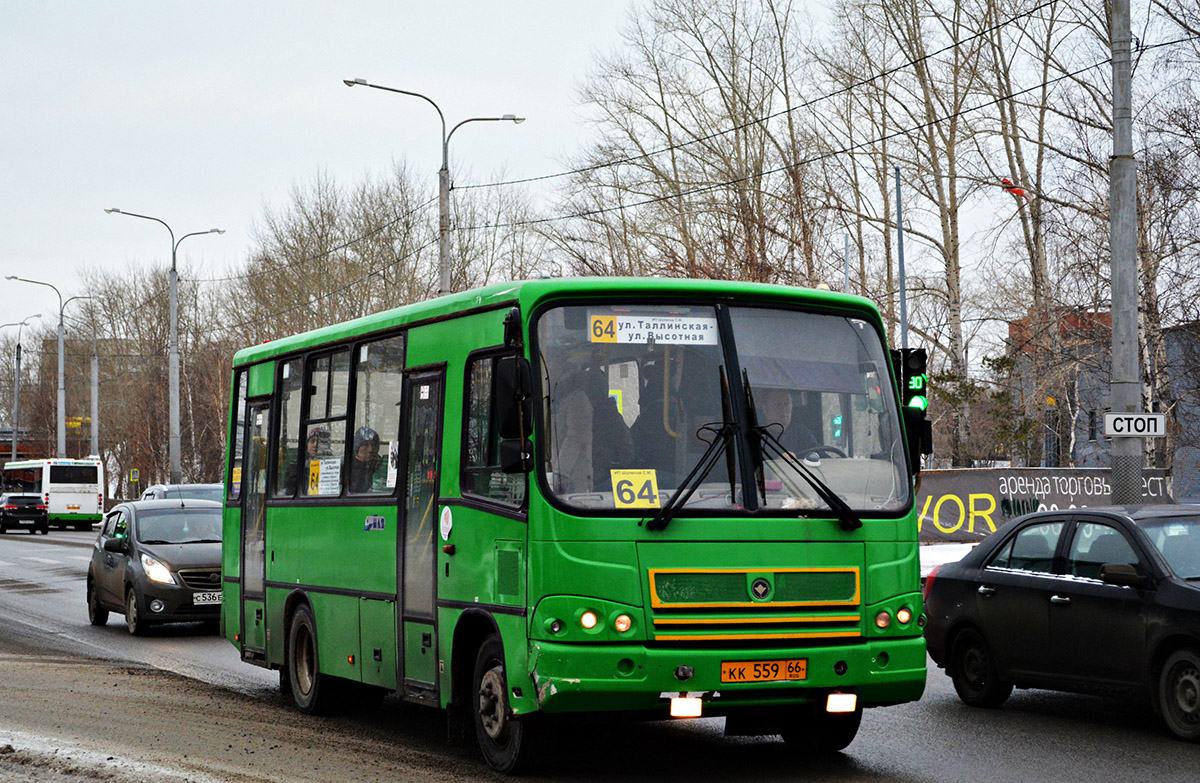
824,450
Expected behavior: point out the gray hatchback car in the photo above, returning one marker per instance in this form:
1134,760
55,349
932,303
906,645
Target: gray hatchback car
158,561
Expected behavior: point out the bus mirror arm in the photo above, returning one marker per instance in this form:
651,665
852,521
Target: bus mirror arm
516,455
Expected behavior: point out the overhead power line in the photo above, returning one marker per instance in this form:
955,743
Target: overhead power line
769,117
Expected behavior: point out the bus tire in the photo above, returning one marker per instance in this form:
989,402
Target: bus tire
821,733
502,737
313,692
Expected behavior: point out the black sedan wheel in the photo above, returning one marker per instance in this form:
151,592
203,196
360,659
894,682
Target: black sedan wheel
133,615
1179,694
97,614
973,670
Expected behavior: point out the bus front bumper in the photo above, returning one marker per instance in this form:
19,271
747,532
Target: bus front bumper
586,678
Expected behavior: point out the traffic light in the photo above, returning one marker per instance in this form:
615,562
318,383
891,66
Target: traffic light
915,378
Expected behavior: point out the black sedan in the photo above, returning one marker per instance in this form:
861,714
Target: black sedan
19,510
1091,600
158,561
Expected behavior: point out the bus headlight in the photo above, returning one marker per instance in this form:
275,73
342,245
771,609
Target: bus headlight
156,571
588,619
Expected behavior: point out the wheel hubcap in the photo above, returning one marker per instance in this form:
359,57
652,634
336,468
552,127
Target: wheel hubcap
974,667
491,703
304,659
1187,694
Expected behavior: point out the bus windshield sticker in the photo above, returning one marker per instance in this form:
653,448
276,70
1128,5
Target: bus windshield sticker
424,393
660,329
446,523
393,468
635,488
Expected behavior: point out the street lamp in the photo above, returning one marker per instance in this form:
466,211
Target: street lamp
16,419
443,176
173,447
62,389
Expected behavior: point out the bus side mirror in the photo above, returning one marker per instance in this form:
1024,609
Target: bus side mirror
516,455
511,382
919,431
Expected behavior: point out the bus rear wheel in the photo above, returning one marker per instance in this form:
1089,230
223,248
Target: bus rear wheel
312,691
501,736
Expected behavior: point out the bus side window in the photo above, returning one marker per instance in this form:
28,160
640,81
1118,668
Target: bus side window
374,452
481,472
320,470
287,430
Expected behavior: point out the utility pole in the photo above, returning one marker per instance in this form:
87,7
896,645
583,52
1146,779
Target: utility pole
900,257
1125,394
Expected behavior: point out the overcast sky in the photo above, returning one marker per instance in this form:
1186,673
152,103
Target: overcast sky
204,113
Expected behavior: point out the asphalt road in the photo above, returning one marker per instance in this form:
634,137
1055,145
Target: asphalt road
52,657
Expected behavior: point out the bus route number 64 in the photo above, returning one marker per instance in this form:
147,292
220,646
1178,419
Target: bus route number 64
635,489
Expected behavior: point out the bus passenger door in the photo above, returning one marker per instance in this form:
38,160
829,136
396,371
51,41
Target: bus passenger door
421,446
254,493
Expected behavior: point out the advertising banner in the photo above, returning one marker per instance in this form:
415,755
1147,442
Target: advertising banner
970,504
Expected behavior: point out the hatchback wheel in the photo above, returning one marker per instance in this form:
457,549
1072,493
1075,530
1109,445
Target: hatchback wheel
97,614
1179,694
133,615
973,670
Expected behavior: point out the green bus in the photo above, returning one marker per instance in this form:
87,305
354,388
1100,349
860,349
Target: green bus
649,497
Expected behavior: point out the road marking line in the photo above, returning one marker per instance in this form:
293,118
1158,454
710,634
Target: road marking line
42,560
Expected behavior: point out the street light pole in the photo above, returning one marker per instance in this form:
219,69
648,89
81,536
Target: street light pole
443,175
16,419
61,451
173,438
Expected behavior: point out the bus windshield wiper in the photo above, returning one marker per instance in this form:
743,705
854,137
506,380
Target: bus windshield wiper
723,437
768,442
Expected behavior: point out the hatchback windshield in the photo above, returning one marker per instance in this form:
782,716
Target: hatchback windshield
1178,539
179,526
640,397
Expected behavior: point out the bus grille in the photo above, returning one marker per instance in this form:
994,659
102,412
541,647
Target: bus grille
742,604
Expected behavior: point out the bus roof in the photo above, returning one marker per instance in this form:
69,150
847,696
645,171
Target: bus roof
529,293
29,463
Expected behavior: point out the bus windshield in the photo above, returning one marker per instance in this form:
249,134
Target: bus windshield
635,395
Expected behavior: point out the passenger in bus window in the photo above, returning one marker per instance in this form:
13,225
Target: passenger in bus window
367,467
589,436
316,447
775,407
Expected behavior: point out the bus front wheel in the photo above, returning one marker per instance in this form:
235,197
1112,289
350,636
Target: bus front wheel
501,736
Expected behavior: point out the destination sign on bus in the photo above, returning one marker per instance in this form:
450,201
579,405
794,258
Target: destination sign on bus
666,329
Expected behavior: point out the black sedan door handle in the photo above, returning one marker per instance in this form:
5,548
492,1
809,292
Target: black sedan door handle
985,590
1060,599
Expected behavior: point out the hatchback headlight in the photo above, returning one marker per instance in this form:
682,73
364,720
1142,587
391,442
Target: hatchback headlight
156,570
